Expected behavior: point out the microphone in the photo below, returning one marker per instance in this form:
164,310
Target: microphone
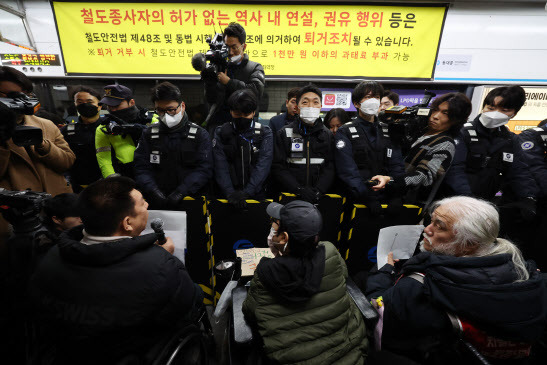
157,226
199,62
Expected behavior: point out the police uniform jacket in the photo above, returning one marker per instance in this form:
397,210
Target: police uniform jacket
115,153
303,156
279,121
81,139
242,160
488,161
533,143
363,150
174,159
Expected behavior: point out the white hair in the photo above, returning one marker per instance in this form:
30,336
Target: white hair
476,223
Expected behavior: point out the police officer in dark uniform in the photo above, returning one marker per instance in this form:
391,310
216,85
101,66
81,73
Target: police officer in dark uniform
281,120
173,158
80,135
303,157
489,157
533,143
364,149
243,151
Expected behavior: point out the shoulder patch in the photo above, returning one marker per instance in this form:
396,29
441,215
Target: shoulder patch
528,145
340,144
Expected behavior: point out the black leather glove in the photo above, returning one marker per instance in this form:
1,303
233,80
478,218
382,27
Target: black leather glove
394,207
174,199
375,207
309,194
157,199
238,199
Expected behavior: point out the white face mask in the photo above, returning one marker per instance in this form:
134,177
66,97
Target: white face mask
270,237
235,59
171,120
494,119
309,114
370,106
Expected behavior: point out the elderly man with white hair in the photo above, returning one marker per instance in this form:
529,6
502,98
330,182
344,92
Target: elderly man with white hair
466,280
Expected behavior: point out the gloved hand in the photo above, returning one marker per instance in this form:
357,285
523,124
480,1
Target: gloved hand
394,207
309,194
375,207
175,198
238,199
527,208
157,199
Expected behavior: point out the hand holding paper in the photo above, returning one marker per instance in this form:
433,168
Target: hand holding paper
400,240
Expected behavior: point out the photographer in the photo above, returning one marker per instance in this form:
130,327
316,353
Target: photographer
80,135
431,154
241,73
364,149
174,157
116,141
243,152
38,167
104,291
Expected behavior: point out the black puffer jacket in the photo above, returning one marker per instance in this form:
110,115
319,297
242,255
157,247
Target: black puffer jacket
480,290
99,302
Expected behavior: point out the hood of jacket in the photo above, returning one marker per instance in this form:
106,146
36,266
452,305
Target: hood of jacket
293,279
483,291
101,254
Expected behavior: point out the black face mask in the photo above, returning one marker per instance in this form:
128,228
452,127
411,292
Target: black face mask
87,110
242,124
128,115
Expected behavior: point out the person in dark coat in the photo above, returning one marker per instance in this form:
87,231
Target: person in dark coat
243,152
173,158
104,291
466,281
298,300
489,158
241,73
303,155
364,149
281,120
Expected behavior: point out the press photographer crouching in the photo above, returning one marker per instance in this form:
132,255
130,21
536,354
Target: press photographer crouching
431,154
104,291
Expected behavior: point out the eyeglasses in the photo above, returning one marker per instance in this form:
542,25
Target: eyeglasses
274,220
170,111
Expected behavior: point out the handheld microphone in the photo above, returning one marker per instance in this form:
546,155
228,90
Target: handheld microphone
157,226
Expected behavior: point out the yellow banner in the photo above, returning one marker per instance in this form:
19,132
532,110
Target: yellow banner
351,41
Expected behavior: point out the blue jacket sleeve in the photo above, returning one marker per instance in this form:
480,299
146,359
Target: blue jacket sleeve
222,167
456,178
519,175
204,166
144,176
533,154
261,170
346,168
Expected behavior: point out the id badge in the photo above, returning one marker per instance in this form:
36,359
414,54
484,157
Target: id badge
154,158
297,147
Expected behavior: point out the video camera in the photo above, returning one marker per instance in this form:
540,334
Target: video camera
115,126
22,208
214,60
406,124
18,103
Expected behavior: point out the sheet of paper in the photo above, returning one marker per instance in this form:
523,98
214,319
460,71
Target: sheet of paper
401,240
250,257
174,226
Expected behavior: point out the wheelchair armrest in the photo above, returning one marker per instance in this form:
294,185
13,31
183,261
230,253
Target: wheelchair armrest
367,310
242,331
